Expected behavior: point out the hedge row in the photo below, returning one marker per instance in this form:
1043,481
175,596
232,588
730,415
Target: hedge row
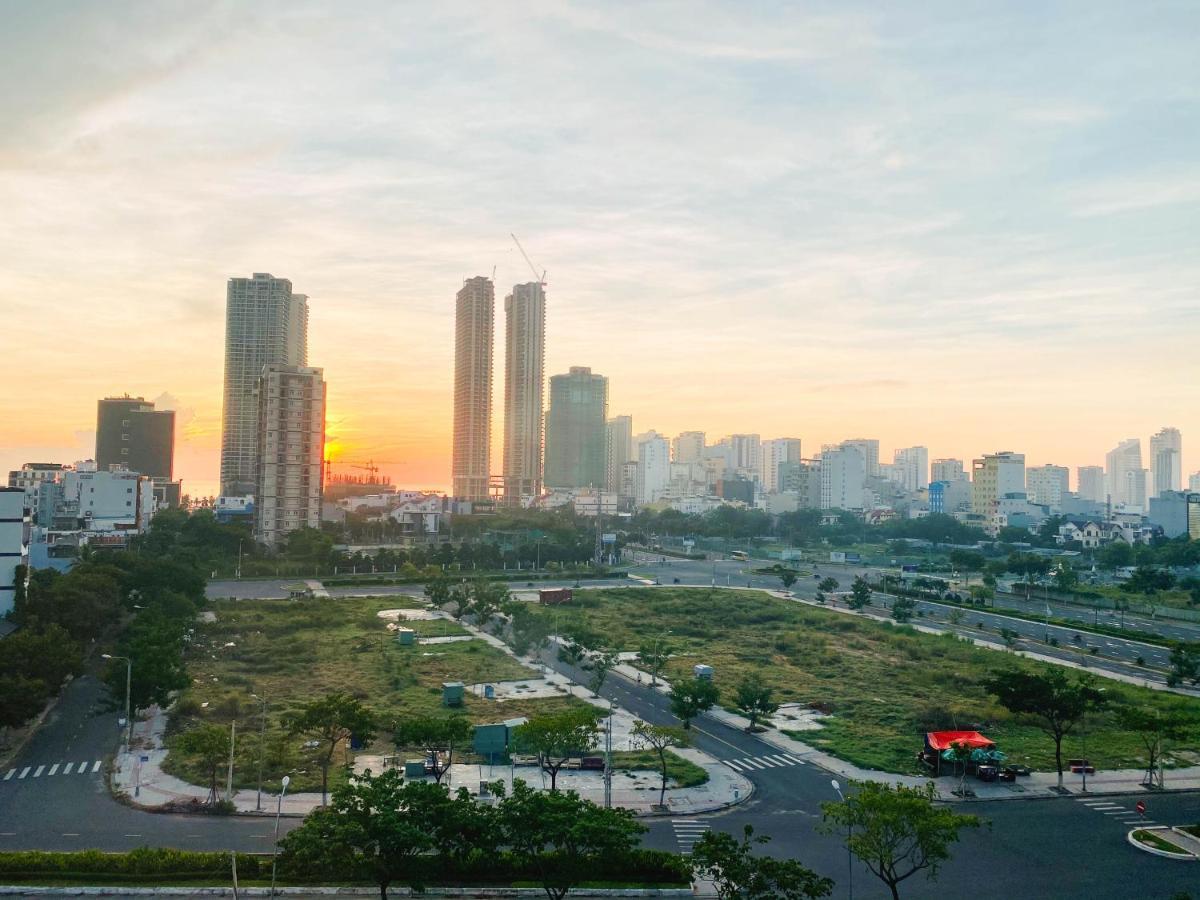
145,861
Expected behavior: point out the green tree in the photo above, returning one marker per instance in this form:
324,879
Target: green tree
661,739
1009,637
563,837
896,831
485,599
903,609
1149,581
375,822
755,700
1185,664
556,737
438,589
208,746
1154,728
860,593
47,654
21,699
787,578
331,720
530,632
1114,555
692,696
310,546
827,585
738,874
1066,579
1055,702
437,736
653,657
967,561
600,663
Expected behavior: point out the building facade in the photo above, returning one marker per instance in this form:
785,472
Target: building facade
994,476
524,378
132,434
1048,485
688,447
1125,480
1166,461
653,468
843,477
868,448
947,470
1089,483
291,447
911,468
576,430
265,324
474,324
618,450
775,453
14,526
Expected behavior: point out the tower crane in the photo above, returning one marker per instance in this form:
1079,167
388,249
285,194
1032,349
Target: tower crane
541,279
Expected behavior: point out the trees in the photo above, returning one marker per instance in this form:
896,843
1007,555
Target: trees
968,561
21,699
787,578
1066,579
1056,702
376,822
485,599
738,874
690,697
437,737
860,593
1028,566
600,663
1149,581
530,632
903,609
754,700
660,739
896,831
331,720
555,737
47,655
154,641
1185,664
1154,727
562,836
209,746
827,585
653,657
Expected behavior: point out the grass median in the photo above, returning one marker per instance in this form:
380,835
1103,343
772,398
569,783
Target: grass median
885,685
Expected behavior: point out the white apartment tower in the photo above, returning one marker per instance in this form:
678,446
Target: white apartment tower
774,453
843,476
291,446
689,447
474,321
265,324
1089,483
1166,461
869,449
524,389
947,470
653,467
994,476
1047,485
1125,479
912,468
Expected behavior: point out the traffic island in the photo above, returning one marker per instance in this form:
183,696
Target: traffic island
1170,843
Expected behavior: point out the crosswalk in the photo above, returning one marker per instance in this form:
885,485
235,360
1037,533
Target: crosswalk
753,763
1123,812
45,770
687,832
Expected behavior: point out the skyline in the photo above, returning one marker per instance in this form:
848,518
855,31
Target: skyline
962,264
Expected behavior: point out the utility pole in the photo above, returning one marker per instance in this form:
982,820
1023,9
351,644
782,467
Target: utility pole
229,777
599,542
608,759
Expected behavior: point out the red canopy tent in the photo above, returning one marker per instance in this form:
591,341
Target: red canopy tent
944,740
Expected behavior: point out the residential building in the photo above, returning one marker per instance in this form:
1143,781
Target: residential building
627,493
803,479
688,447
618,450
949,497
1194,483
265,324
1169,511
1166,461
1048,485
524,379
653,468
474,324
947,470
868,448
588,502
1193,517
88,500
1090,483
738,489
995,475
1125,481
576,430
30,478
291,446
14,543
745,455
912,468
775,453
843,476
132,434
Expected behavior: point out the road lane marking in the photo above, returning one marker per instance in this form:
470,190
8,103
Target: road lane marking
735,766
82,770
53,770
24,772
752,763
133,835
10,774
794,759
70,834
67,769
96,767
782,760
39,771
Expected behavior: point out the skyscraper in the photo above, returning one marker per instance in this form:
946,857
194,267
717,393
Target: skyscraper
774,453
912,467
1047,485
130,432
291,446
474,320
618,450
1166,461
576,432
524,376
265,324
843,475
653,467
688,447
1124,477
1089,483
947,470
994,476
868,448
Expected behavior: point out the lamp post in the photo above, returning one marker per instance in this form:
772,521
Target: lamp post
128,682
262,740
275,847
654,671
849,855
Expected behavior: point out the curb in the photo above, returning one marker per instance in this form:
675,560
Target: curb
117,891
1185,856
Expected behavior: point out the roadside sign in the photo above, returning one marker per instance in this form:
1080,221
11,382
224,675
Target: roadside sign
145,759
1141,807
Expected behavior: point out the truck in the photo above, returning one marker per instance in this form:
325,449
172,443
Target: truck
555,596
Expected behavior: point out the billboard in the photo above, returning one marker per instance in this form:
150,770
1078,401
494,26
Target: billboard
837,556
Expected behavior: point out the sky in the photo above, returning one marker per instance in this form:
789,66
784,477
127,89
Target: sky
971,226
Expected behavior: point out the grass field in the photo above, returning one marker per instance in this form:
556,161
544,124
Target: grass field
292,651
886,685
680,772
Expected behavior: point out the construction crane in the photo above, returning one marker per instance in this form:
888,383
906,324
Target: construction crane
541,279
367,466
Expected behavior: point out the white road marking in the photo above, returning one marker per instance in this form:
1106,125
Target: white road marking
67,768
53,770
82,770
24,772
794,759
96,766
10,774
735,766
39,771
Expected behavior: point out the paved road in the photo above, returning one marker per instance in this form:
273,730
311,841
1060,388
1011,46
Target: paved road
45,803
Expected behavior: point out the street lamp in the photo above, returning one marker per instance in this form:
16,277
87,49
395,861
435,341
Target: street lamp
128,681
262,740
654,671
849,855
275,849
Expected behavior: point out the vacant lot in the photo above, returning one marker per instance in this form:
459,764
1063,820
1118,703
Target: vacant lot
292,651
885,685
